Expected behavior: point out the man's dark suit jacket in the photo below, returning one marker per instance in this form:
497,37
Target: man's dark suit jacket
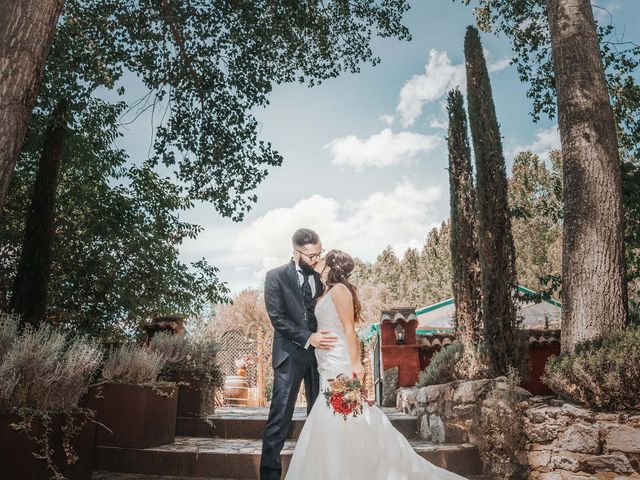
292,322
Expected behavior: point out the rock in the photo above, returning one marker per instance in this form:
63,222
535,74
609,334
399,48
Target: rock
538,459
541,432
577,412
389,385
457,432
421,396
550,476
613,463
406,400
580,437
431,393
468,392
568,461
432,428
464,411
622,438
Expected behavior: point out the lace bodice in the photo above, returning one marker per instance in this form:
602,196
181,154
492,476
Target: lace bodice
332,362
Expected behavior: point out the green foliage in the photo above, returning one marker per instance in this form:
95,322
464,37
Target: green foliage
207,67
495,240
601,373
116,257
501,429
45,370
535,200
421,277
443,366
465,264
524,23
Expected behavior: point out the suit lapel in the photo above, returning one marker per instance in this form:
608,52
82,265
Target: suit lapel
292,275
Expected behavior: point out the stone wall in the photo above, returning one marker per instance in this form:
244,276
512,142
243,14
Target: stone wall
556,440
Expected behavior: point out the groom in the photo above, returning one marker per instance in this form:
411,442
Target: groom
290,293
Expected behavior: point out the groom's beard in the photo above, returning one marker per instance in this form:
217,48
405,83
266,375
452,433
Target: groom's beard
305,267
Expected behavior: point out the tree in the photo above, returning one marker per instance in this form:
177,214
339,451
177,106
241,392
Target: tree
535,201
525,23
208,65
496,250
26,32
29,298
594,289
116,260
465,264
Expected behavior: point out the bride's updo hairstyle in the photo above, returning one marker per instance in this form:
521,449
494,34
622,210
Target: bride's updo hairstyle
341,265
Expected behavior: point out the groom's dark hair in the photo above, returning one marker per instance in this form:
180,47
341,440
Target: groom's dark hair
304,236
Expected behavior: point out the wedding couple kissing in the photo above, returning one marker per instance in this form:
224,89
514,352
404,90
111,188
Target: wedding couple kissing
314,309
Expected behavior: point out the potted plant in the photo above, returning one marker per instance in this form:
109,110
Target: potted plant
43,374
191,363
137,409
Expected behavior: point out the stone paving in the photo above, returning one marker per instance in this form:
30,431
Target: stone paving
131,476
300,413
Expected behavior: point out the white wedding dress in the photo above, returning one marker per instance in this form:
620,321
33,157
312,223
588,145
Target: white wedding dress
366,447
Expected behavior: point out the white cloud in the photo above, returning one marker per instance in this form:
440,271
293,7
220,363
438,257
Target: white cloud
400,217
545,140
387,119
442,124
499,65
440,76
381,149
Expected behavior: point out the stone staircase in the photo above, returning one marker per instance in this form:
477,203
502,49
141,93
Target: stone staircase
228,444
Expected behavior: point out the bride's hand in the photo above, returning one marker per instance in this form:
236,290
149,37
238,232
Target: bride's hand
358,371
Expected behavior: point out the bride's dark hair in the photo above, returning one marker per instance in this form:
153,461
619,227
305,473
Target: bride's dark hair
341,265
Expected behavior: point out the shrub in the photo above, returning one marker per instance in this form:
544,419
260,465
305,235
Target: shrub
44,370
130,363
602,373
442,368
501,428
8,332
174,348
187,355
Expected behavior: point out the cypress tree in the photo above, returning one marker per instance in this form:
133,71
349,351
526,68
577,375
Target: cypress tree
495,242
465,265
31,284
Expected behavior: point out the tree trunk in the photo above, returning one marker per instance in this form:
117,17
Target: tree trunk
496,250
464,242
594,291
26,32
32,278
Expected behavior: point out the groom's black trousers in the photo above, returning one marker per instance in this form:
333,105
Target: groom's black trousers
287,377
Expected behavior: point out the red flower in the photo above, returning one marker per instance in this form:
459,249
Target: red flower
339,404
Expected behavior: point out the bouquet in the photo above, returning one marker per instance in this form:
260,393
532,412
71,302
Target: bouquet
345,396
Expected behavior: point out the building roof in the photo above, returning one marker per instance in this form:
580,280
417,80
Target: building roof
439,316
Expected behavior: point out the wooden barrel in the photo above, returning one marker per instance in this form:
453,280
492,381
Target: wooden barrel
236,390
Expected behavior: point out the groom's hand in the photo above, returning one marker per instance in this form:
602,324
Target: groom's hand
324,340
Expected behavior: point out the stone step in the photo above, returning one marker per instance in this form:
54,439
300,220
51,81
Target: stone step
249,423
198,457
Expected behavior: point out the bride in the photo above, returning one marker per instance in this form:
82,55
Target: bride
366,447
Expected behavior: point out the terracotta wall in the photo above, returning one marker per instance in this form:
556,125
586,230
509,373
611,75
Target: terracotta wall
412,359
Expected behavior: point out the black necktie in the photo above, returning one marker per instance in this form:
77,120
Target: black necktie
306,289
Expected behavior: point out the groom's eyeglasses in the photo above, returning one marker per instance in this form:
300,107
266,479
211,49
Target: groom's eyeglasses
313,256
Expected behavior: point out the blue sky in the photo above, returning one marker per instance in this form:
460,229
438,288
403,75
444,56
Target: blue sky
364,155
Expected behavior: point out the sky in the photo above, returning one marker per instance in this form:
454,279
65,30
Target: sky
365,155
